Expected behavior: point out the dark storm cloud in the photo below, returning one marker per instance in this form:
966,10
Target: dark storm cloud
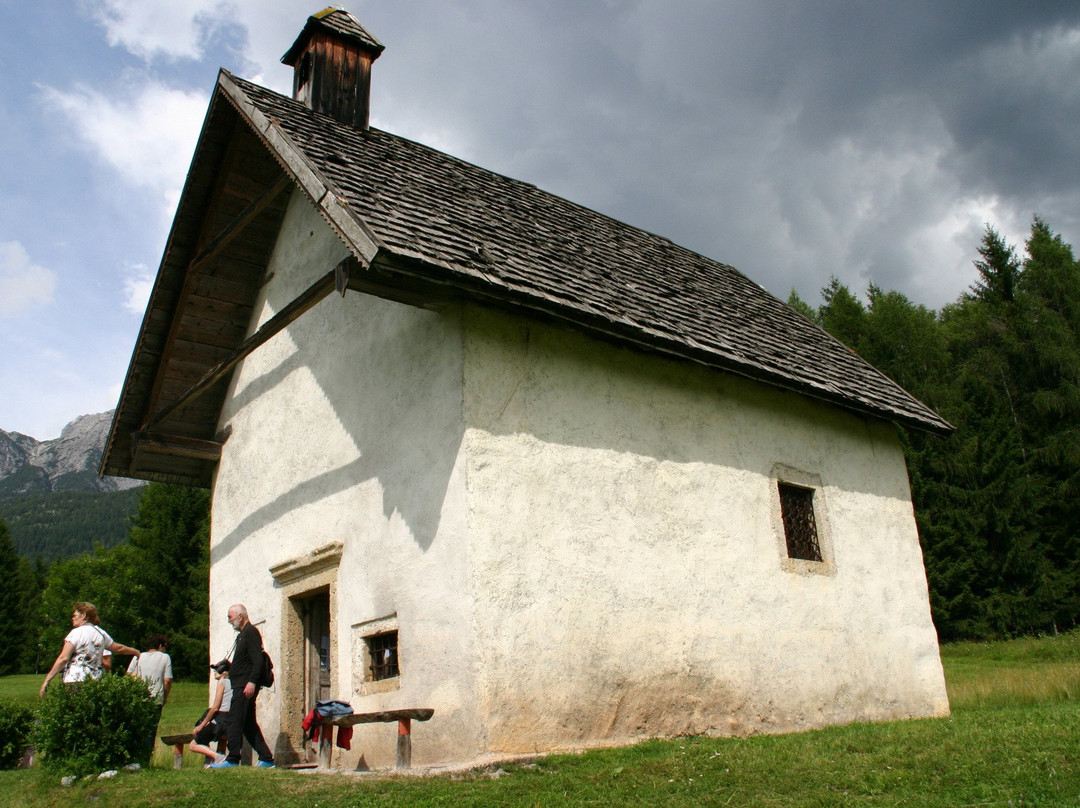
795,140
870,141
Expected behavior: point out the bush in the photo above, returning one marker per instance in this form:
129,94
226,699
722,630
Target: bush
94,726
16,721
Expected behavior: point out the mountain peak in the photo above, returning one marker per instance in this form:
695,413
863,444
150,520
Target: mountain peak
67,463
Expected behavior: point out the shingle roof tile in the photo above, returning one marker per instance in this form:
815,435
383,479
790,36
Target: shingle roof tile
471,225
340,22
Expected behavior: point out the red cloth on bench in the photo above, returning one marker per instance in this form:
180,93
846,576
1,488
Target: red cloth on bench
312,724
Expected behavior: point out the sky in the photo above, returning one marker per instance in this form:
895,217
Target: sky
798,141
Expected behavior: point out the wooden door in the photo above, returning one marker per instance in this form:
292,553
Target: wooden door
317,662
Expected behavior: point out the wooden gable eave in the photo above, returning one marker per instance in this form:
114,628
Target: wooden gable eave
201,305
360,239
459,225
195,330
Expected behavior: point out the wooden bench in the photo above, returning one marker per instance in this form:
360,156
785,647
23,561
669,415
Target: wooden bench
404,738
180,740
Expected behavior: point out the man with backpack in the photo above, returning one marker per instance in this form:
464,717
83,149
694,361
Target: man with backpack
246,675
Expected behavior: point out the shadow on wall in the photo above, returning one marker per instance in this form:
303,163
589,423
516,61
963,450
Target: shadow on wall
562,388
397,397
392,377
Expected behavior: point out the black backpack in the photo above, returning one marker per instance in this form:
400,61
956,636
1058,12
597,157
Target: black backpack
268,671
268,667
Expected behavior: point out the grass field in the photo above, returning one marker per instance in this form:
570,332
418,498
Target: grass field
1013,740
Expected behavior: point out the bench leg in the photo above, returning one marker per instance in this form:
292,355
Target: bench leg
178,756
404,743
326,747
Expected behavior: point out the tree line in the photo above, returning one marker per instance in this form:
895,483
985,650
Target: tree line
155,582
993,501
60,524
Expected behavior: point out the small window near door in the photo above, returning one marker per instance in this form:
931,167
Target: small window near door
800,527
376,661
383,654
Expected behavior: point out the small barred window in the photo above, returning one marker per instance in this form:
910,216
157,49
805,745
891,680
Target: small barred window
800,528
383,653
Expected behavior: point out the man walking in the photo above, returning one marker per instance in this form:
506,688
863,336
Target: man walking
245,674
155,668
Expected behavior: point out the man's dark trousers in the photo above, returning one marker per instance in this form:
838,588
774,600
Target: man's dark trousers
242,724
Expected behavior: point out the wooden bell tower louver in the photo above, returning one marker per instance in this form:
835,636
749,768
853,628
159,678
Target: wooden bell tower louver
331,61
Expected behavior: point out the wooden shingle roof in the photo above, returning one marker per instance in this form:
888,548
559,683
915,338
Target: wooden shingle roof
423,224
510,238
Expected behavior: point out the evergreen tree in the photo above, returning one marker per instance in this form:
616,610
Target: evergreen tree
105,578
157,582
171,539
1047,370
994,499
842,315
998,270
33,577
12,629
804,308
979,499
905,342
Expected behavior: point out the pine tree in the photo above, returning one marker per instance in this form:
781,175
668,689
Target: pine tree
171,538
842,315
993,500
155,583
32,579
11,605
804,308
998,270
1047,369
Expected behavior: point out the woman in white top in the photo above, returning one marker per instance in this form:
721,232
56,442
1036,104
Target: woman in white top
80,658
212,723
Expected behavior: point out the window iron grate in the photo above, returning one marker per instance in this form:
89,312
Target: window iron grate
384,655
800,528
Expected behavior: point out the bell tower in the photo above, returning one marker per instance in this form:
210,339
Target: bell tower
331,61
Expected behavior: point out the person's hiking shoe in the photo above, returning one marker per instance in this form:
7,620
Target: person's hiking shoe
223,765
265,764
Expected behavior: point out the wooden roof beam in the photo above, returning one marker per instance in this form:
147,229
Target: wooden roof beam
175,446
212,246
237,225
279,322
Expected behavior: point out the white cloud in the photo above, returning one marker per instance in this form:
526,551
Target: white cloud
174,29
864,156
23,284
138,283
147,136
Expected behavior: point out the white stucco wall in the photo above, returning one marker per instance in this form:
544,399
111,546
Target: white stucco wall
346,428
579,544
629,572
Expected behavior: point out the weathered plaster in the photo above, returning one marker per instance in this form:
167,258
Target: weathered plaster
577,543
627,576
346,429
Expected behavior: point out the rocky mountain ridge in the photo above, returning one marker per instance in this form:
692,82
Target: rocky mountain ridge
67,463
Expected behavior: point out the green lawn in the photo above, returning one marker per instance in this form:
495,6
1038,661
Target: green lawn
1013,740
21,688
186,703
